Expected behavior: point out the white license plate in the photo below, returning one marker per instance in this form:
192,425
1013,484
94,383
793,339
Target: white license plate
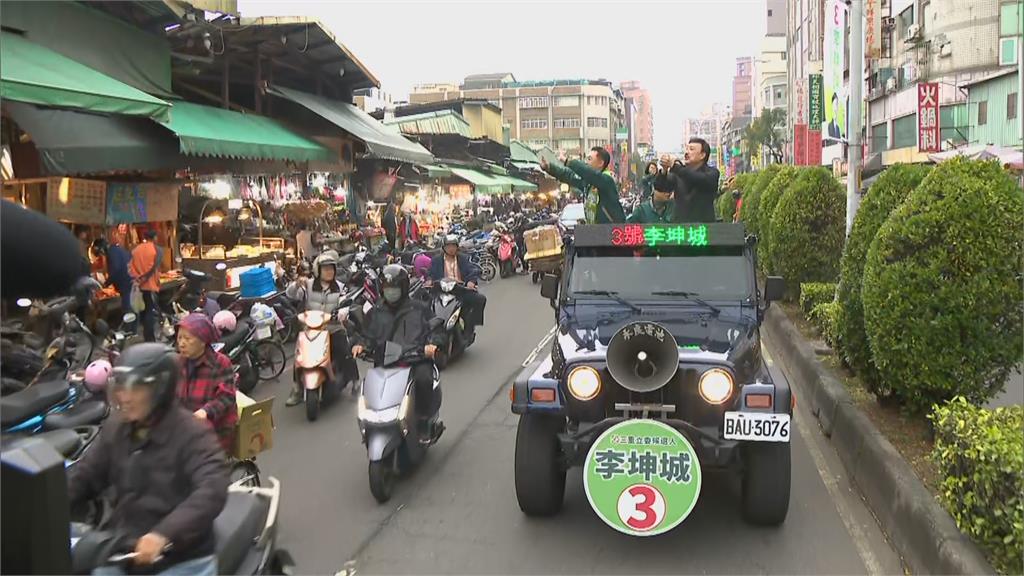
263,332
756,427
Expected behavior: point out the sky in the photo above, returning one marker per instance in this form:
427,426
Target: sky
683,51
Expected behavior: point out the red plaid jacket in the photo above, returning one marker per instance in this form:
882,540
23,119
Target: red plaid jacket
209,383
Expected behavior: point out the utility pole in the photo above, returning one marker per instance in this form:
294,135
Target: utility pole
854,150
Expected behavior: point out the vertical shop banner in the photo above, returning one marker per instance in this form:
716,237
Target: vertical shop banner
814,147
132,203
801,97
834,126
872,29
800,144
928,117
75,200
815,114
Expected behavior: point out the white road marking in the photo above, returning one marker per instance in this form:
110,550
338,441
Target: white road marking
543,342
860,540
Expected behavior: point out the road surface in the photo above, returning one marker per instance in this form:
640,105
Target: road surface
458,512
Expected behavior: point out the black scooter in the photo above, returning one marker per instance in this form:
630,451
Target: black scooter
446,305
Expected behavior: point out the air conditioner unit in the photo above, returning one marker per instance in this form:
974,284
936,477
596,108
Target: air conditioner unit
913,32
890,84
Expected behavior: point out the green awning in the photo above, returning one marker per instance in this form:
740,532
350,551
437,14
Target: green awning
382,142
436,171
517,184
437,122
208,131
483,183
37,75
521,152
526,165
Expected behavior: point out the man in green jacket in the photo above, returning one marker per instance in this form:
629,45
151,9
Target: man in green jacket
601,203
660,209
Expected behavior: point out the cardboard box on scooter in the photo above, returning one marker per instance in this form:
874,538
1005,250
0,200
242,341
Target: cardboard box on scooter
254,432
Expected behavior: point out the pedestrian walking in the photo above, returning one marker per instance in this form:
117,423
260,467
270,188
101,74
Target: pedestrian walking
145,272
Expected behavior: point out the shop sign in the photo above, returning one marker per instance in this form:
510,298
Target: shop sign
814,103
800,144
75,200
642,477
872,29
132,203
814,148
928,117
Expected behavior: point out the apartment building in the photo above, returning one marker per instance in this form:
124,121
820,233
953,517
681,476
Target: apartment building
569,115
643,126
742,87
770,89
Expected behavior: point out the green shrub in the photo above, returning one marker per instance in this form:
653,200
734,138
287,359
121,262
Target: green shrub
752,197
807,229
941,290
769,200
884,196
980,456
826,316
814,293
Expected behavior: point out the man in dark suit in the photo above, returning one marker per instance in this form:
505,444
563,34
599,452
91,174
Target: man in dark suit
451,264
697,183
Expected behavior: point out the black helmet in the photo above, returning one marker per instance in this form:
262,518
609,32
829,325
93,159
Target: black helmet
394,283
736,194
152,365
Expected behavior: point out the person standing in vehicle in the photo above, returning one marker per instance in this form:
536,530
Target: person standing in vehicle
647,183
400,319
601,203
166,471
660,209
145,272
697,182
323,294
451,264
207,384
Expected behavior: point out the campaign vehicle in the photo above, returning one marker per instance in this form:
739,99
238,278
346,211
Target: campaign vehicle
655,374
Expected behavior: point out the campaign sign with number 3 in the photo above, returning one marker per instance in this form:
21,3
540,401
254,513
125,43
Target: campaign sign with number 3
642,477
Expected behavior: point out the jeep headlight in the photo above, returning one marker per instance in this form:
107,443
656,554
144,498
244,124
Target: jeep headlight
715,386
584,383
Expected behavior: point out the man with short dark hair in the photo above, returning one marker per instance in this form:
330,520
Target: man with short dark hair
659,209
601,203
697,182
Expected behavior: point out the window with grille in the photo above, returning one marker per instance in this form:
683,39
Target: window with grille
982,113
534,123
595,122
533,102
567,122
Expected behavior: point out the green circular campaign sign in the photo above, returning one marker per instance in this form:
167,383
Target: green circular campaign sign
642,477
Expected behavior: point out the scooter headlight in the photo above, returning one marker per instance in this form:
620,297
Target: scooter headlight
371,416
447,285
453,320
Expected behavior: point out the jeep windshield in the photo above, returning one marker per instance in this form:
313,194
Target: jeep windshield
663,273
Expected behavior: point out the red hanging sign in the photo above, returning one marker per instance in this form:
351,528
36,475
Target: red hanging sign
928,117
800,144
814,147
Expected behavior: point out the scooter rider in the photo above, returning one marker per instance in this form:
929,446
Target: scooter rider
452,264
323,294
165,468
400,319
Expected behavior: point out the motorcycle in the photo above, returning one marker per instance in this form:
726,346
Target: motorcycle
314,366
251,347
394,431
508,254
245,535
446,305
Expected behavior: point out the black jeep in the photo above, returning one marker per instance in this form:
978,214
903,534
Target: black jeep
657,322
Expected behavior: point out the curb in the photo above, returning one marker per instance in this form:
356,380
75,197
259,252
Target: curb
924,534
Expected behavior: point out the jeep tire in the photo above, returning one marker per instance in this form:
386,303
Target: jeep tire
766,479
540,476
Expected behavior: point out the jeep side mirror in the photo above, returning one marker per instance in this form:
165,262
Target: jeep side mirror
774,288
549,286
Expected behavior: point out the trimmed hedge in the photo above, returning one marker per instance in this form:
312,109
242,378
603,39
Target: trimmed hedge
814,293
980,454
884,196
752,198
826,317
766,208
807,230
942,293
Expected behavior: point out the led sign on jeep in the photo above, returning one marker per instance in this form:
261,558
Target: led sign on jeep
679,235
683,234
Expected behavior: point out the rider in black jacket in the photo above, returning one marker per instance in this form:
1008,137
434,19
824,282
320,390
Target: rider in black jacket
400,319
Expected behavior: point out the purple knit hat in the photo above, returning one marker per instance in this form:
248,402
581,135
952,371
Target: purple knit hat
199,326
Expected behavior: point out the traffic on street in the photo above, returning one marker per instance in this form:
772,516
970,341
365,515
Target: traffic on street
296,288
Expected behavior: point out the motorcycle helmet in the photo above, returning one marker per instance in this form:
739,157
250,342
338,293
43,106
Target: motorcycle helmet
394,283
326,259
225,321
451,239
150,365
96,375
